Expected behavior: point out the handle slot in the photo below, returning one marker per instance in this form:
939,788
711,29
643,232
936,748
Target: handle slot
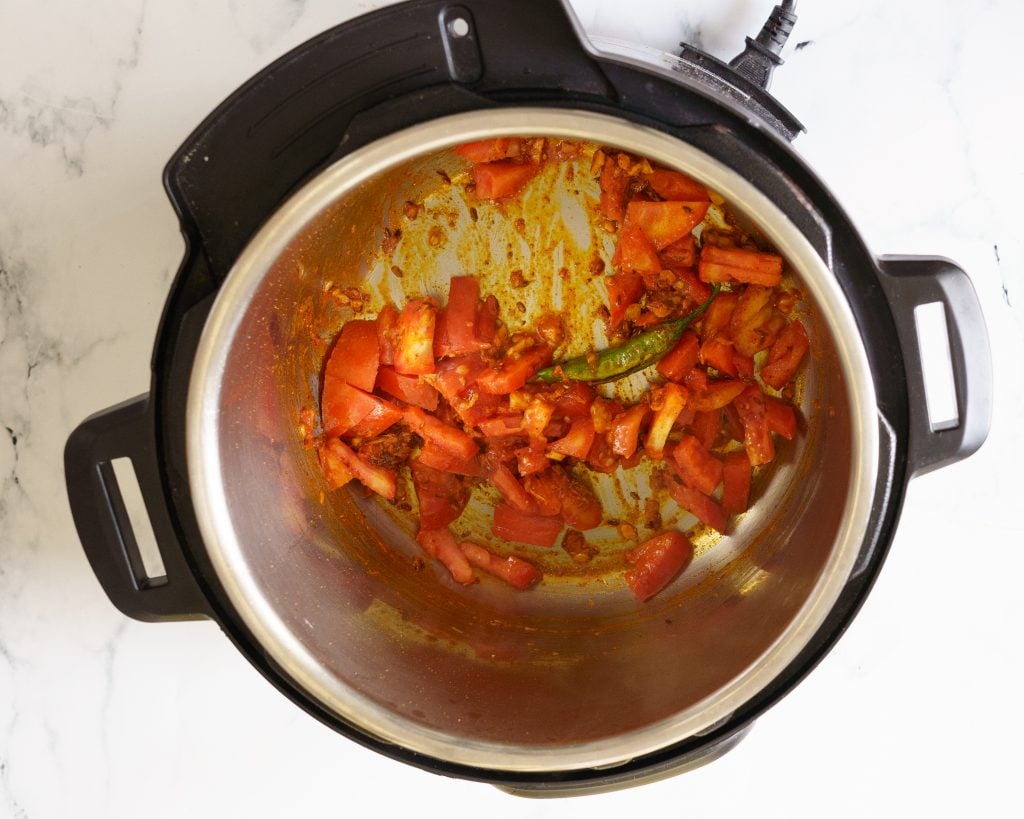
121,484
936,366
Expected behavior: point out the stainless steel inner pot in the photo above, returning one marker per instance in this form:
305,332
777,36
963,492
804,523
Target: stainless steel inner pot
569,675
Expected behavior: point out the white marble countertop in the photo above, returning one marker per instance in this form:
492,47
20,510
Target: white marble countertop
911,121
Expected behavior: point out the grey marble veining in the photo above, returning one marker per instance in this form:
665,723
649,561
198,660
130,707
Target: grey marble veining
913,121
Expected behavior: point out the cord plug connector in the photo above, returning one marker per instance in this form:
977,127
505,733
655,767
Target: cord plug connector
761,56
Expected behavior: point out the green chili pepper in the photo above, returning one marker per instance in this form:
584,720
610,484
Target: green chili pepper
637,354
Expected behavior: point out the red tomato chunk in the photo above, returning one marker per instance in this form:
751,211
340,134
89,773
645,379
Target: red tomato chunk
656,562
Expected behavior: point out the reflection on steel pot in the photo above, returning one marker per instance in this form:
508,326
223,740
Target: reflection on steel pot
570,686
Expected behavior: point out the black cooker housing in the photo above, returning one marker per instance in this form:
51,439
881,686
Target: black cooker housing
404,65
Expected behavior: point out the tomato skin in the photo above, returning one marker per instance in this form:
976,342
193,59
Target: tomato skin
697,467
682,253
665,222
536,530
624,435
334,468
515,371
380,480
546,491
736,477
580,507
706,426
624,290
780,417
440,544
446,437
407,388
435,457
785,355
460,316
704,508
718,353
356,355
656,562
441,495
518,573
757,438
414,350
634,252
387,321
614,186
716,394
508,485
676,186
575,401
577,442
680,359
342,406
751,260
489,150
502,179
382,416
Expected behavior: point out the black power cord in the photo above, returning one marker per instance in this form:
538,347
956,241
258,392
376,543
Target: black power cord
761,56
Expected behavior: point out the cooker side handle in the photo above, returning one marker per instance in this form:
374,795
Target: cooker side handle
911,282
98,508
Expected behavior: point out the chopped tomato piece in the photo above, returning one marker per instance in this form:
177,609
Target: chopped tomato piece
441,495
785,355
577,442
487,321
575,401
440,544
736,475
455,375
537,530
546,490
751,326
380,480
437,458
689,282
445,436
665,222
601,458
356,355
518,573
673,399
718,353
780,417
680,359
502,179
580,507
634,252
705,509
505,425
624,289
715,395
697,467
334,468
508,485
757,438
676,186
414,349
719,314
381,416
614,186
342,406
714,272
460,318
656,562
387,333
752,260
706,426
624,434
681,253
514,371
530,460
407,388
489,150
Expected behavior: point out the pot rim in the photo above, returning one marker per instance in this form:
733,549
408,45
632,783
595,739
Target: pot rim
347,174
